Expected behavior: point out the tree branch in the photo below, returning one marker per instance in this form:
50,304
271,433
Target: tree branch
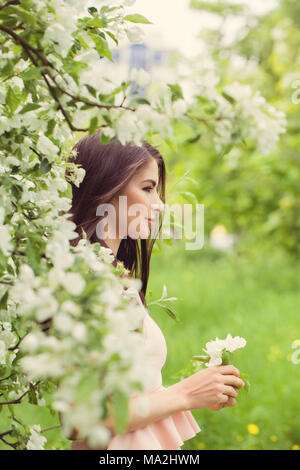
18,400
30,50
11,2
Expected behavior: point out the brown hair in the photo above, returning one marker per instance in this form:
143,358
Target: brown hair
109,167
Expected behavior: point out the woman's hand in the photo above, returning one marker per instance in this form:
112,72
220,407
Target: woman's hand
230,402
213,388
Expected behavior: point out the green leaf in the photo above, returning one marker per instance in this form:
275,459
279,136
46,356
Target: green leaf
3,300
93,125
33,254
226,357
190,197
140,100
32,395
200,358
245,378
91,286
32,73
169,310
92,90
194,139
24,15
50,126
176,91
86,385
12,99
104,139
92,10
121,411
29,107
228,97
101,47
137,18
113,37
45,166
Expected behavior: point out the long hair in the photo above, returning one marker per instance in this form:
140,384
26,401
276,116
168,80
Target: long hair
109,167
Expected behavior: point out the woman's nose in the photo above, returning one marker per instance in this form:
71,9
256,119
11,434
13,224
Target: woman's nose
158,207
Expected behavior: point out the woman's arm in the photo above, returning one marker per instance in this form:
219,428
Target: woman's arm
162,404
206,388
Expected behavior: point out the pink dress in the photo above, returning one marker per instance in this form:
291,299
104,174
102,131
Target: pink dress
168,433
165,434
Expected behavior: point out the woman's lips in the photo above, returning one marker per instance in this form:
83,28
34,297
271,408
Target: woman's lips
150,221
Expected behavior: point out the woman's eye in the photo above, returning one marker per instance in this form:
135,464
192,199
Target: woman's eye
148,189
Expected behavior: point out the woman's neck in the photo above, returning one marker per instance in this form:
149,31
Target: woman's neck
113,244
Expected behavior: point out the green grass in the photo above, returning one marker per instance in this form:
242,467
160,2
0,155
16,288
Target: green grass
257,299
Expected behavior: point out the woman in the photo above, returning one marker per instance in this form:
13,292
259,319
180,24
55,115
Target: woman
138,174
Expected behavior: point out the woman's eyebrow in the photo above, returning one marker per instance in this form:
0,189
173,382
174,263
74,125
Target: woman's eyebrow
150,181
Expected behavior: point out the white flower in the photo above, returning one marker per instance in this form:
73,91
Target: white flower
71,307
146,113
99,436
30,343
135,34
4,124
179,107
17,81
61,39
108,131
36,441
159,95
141,77
214,349
41,401
73,283
6,325
5,240
126,127
232,344
3,352
63,322
79,331
41,365
46,146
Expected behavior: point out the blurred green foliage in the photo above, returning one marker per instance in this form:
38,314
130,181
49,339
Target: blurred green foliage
256,197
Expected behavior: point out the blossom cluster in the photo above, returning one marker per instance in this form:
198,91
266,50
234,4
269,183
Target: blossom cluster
214,349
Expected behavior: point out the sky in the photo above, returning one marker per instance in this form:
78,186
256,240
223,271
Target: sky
176,25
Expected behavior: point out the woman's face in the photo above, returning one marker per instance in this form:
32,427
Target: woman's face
140,202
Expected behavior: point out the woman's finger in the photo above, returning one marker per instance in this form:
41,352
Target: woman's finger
230,391
233,380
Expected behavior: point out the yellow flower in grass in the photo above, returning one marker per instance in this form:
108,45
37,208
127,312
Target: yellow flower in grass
253,429
296,447
274,438
239,438
201,445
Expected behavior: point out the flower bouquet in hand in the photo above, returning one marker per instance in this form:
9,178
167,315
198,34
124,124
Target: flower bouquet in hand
217,352
220,351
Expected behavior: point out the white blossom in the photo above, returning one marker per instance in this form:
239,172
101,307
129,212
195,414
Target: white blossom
215,348
3,352
46,146
179,107
135,34
36,441
141,76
